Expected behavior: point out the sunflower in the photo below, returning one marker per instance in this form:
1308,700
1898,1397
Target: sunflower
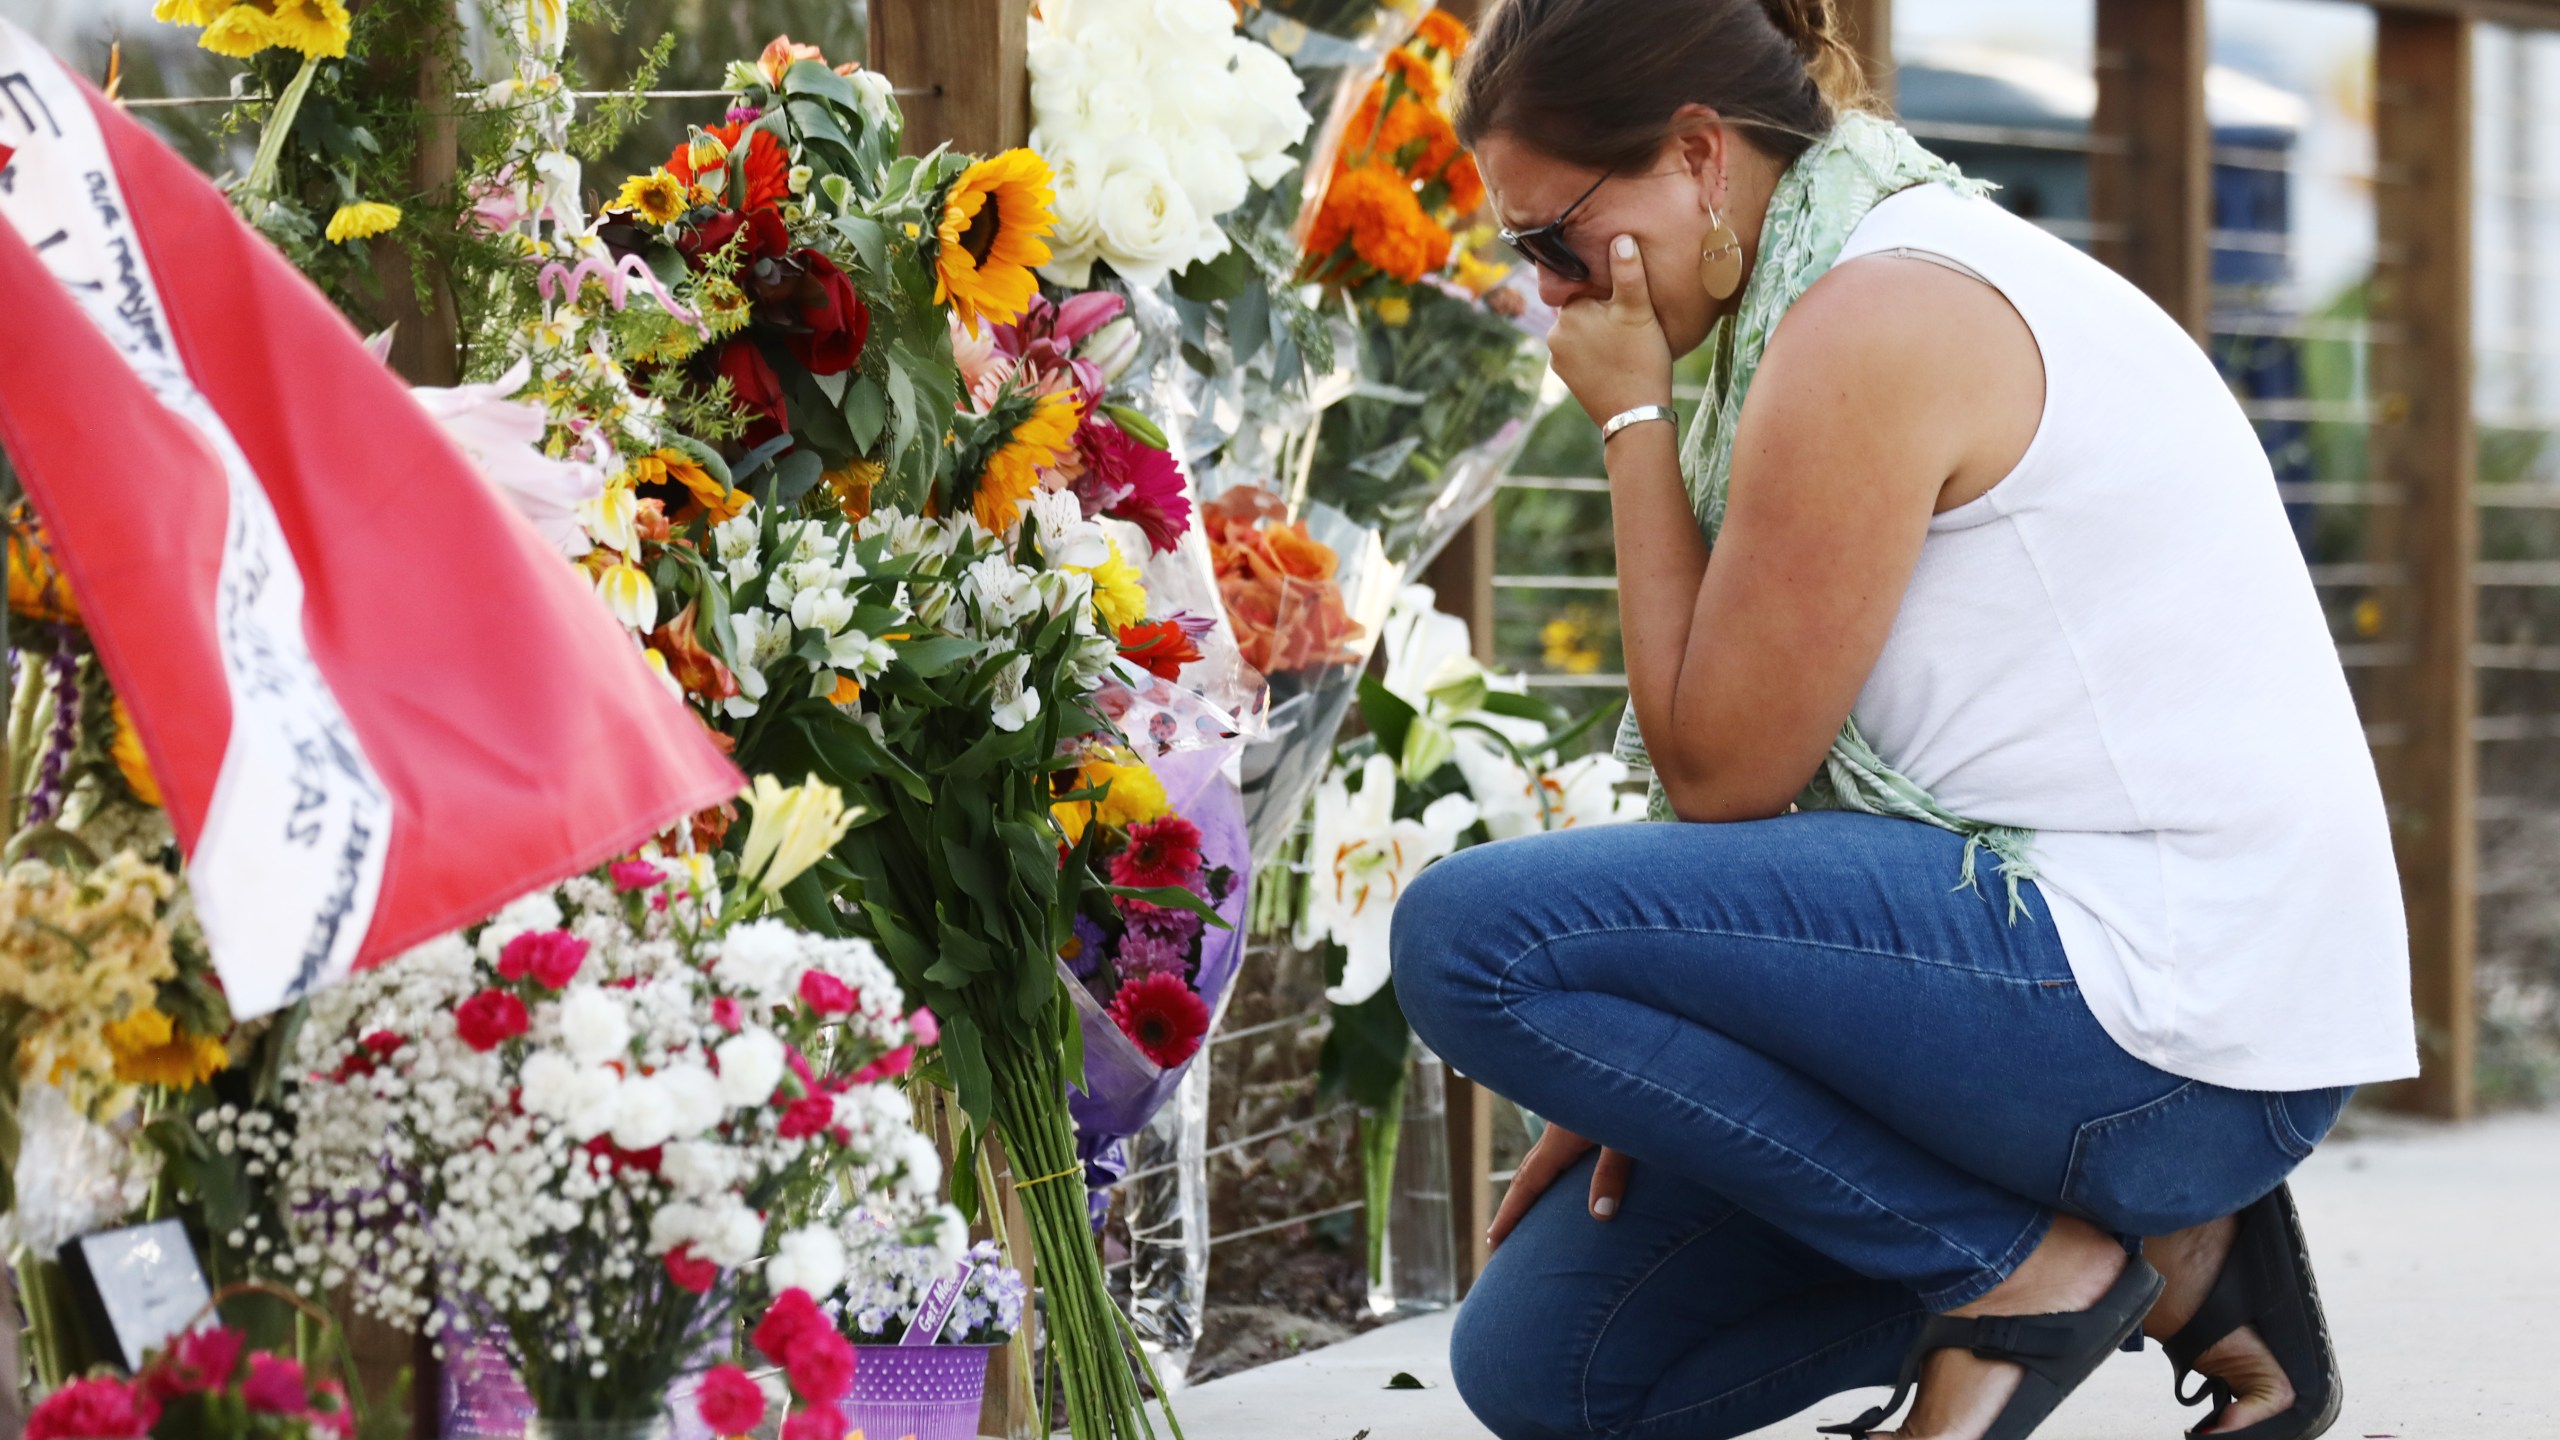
152,1049
657,197
704,492
992,222
37,587
362,220
1013,471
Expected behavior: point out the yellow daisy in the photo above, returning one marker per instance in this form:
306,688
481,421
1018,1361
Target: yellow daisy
1119,595
1013,472
992,224
362,220
656,197
317,28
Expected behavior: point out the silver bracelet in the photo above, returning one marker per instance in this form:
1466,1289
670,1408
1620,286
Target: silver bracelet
1637,416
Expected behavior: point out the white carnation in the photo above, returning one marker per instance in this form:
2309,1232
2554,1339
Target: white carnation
757,957
691,1095
593,1025
810,1258
751,1064
643,1113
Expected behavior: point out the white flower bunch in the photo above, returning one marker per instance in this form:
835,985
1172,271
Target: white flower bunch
562,1120
884,1277
1158,118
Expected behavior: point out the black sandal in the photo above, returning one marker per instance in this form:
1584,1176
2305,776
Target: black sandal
2057,1351
2265,1284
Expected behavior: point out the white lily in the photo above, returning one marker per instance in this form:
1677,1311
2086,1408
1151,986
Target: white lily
503,439
1363,858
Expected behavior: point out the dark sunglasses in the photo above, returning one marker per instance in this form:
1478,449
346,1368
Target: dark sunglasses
1544,245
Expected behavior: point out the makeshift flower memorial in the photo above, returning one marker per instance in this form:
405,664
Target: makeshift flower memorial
209,1384
1448,345
887,1281
585,1118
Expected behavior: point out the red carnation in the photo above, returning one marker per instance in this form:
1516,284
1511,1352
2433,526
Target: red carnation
490,1018
551,957
888,1067
368,1055
1161,853
330,1410
196,1361
96,1410
691,1273
630,875
809,1115
731,1404
727,1014
820,1364
791,1315
275,1386
818,1422
1161,1017
825,993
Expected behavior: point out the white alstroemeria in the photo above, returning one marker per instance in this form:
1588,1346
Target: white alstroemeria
502,438
825,611
761,638
734,539
612,517
860,655
628,593
1363,858
1002,591
1066,537
1067,592
1014,704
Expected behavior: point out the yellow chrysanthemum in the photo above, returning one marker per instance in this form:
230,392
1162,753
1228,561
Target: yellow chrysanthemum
131,763
1119,595
1394,311
1476,275
241,28
656,197
362,221
992,224
152,1049
1013,472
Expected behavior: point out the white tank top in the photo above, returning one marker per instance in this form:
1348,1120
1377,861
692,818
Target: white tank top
2118,647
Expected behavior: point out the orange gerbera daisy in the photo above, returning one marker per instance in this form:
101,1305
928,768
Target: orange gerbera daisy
768,164
990,238
1013,471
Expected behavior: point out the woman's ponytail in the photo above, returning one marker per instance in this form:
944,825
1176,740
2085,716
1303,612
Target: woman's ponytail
1596,82
1814,28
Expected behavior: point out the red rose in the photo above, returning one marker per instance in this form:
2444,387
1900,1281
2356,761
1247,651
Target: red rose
195,1362
731,1404
826,994
692,1273
809,1115
98,1410
818,1422
836,319
550,956
757,387
490,1018
275,1386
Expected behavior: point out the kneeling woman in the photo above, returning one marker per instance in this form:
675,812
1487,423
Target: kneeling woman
2034,908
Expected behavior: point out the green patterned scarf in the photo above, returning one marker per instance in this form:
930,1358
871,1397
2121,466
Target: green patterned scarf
1820,199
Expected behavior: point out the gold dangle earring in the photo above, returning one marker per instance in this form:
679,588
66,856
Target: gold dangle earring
1720,260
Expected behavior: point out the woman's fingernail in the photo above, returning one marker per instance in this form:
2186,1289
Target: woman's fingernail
1626,247
1605,1206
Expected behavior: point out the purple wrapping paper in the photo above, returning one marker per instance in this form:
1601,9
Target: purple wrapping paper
1123,1089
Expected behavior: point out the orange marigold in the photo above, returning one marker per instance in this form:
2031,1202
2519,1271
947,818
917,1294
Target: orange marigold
1374,208
1443,32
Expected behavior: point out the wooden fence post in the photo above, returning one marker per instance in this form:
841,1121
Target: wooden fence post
2150,169
1870,26
2421,442
968,60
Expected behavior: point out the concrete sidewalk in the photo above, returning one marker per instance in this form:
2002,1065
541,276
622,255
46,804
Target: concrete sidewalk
2439,1256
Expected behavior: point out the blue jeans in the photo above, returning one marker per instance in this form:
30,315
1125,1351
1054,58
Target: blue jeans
1853,1093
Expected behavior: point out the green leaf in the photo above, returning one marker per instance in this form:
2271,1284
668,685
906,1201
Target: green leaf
1208,281
1366,1050
870,241
795,475
809,77
969,1073
1387,714
902,405
1171,897
928,658
1521,707
866,412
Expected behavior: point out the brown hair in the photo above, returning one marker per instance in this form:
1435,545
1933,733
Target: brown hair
1595,82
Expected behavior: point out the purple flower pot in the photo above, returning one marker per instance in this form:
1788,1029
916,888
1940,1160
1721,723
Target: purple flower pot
928,1392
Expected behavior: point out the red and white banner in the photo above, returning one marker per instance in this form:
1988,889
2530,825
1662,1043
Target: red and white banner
379,706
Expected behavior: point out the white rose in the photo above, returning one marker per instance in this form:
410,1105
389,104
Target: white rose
751,1064
1077,166
691,1095
593,1025
1061,72
1269,118
1145,219
1205,163
810,1258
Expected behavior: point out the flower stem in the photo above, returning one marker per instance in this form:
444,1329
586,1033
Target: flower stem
262,170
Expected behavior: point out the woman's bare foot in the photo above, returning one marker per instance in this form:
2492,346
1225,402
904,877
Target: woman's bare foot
2191,1260
1961,1393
